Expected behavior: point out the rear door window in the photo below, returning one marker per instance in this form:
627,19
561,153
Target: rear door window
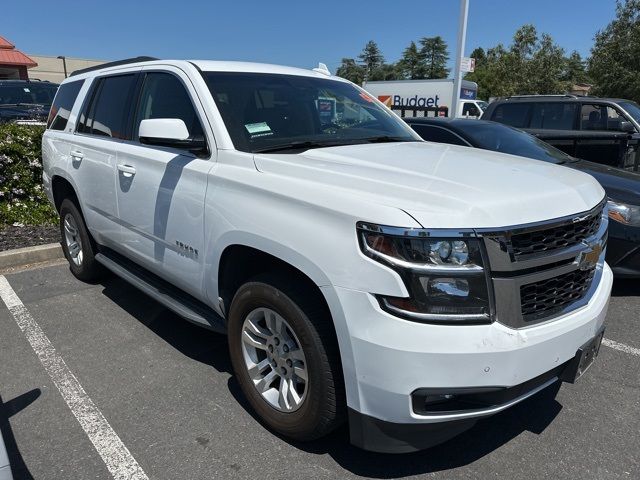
553,116
514,114
106,114
62,105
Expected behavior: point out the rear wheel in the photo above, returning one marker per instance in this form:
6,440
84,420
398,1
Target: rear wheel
77,244
285,357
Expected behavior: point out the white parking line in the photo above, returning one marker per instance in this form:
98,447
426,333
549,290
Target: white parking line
621,346
114,453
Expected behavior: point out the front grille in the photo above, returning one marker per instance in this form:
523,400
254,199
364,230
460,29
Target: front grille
547,297
550,239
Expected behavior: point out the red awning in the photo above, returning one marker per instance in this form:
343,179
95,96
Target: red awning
10,56
15,57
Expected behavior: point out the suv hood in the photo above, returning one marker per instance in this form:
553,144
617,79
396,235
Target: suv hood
440,186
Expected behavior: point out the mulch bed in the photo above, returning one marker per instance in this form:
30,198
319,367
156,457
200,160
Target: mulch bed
28,236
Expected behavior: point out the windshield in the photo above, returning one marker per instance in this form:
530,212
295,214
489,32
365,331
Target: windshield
501,138
265,112
482,104
29,93
632,109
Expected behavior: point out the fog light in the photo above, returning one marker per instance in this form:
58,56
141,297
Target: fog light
453,287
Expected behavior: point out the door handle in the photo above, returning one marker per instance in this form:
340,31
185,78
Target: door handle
127,170
76,155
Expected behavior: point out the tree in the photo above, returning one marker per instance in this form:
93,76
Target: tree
350,70
613,65
575,70
386,71
371,57
547,67
435,56
411,64
530,65
479,55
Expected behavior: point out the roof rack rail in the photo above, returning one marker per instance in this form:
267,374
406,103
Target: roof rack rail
565,95
112,64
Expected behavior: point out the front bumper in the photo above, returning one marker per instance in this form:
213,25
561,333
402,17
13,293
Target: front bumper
386,359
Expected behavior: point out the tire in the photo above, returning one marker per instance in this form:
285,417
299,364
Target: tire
322,406
73,231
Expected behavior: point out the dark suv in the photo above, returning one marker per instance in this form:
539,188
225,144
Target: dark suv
602,130
26,101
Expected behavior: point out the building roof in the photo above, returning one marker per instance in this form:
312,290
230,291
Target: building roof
4,43
10,56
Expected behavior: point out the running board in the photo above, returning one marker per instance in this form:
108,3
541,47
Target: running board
162,291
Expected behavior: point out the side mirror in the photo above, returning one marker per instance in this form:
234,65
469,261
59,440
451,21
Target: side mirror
627,127
169,132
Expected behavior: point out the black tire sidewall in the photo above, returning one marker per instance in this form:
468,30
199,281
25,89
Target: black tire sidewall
305,422
89,269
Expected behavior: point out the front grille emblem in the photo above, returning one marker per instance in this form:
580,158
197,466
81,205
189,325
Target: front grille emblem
588,259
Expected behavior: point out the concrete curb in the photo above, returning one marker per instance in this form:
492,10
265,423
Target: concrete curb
25,256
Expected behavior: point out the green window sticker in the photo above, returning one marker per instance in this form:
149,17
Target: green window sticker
258,128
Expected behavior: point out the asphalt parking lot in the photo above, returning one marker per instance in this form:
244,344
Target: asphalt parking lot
164,387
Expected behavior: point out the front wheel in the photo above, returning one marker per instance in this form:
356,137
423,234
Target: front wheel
76,243
285,357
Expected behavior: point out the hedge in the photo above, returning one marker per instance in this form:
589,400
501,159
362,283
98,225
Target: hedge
22,198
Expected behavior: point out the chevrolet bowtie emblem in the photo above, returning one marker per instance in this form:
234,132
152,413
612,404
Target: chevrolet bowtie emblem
589,258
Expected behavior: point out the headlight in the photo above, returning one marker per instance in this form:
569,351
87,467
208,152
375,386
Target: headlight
624,213
445,276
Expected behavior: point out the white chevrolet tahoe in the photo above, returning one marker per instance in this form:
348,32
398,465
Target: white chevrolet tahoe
361,274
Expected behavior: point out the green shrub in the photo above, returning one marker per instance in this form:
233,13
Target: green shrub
22,198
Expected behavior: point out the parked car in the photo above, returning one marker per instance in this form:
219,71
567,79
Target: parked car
601,130
360,273
26,101
623,188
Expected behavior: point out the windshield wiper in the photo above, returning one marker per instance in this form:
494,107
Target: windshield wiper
299,145
387,139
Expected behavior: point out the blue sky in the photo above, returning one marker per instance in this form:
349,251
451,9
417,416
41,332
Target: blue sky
287,32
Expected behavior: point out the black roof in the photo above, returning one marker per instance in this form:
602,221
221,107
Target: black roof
7,81
448,121
560,98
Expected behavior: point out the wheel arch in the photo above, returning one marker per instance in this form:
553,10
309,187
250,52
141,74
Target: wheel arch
61,188
239,261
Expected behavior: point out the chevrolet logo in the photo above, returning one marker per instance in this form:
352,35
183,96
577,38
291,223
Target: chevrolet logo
589,258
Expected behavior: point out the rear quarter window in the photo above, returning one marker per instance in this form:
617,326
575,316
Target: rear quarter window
514,114
553,116
62,105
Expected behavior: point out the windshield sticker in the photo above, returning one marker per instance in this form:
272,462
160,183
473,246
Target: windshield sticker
26,90
366,97
258,129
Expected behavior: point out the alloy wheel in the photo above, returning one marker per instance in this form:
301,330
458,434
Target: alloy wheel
274,359
72,239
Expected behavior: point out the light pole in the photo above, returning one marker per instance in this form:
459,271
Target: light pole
462,36
64,64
